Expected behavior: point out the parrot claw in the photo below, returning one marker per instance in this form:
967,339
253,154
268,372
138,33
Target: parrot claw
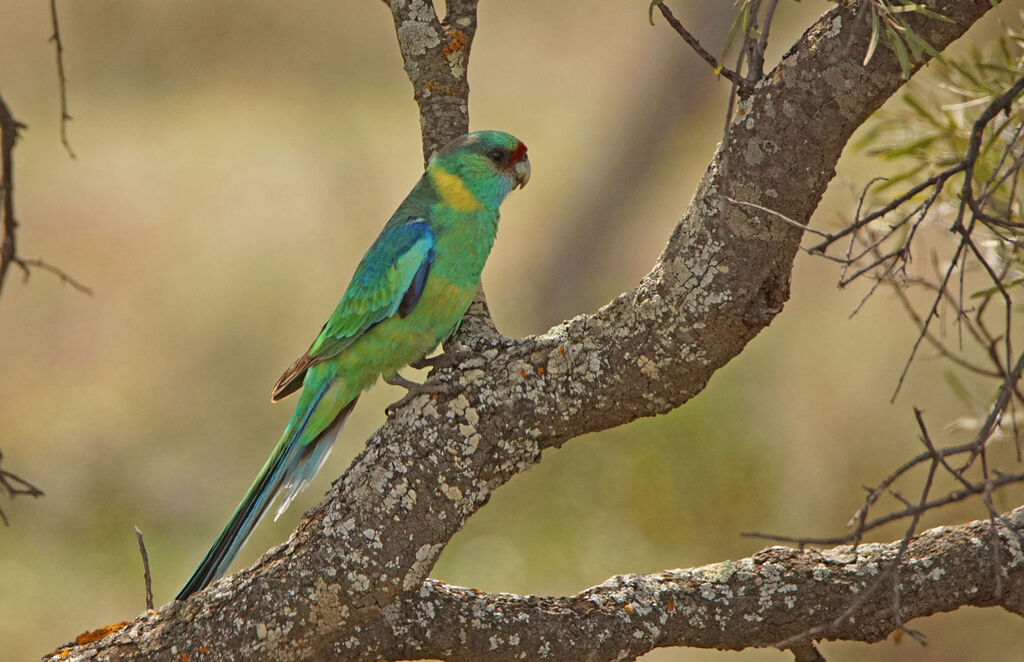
448,359
415,390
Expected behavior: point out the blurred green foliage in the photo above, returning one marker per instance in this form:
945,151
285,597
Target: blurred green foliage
927,137
932,128
235,161
887,22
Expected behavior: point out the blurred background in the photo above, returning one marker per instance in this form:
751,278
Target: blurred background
234,162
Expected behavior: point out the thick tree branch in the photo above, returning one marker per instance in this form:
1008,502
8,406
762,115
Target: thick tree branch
774,595
724,275
436,55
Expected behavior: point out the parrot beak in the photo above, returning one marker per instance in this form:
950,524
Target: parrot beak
522,171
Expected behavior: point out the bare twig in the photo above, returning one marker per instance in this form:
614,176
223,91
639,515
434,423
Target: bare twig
9,131
65,117
145,569
700,50
779,215
15,485
762,41
26,264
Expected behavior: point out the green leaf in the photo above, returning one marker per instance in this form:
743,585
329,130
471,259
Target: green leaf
874,36
919,44
919,145
915,105
924,11
900,177
899,49
990,291
742,21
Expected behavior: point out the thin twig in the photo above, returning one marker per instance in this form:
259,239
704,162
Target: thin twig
145,569
65,117
762,42
695,45
952,497
927,322
9,128
15,485
777,214
27,263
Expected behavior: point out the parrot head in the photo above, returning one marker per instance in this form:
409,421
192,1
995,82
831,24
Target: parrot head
488,163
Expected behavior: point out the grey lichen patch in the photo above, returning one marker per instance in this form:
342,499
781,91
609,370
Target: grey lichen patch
373,536
337,531
425,557
453,492
745,112
415,37
360,583
648,368
457,64
1012,544
458,406
835,26
472,376
471,439
330,603
719,573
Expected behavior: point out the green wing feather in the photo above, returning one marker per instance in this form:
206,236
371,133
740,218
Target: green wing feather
389,276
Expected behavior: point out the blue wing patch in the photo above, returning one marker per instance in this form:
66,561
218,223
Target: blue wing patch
415,291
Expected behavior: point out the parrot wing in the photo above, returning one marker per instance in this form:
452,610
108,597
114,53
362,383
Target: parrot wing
388,280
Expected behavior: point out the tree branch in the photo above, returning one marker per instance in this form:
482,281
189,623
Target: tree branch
366,550
9,128
436,56
756,601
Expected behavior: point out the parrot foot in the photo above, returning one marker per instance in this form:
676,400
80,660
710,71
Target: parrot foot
446,360
414,389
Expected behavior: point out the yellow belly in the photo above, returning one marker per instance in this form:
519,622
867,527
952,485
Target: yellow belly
397,341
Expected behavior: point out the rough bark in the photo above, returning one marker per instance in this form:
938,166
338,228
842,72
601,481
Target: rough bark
350,582
774,595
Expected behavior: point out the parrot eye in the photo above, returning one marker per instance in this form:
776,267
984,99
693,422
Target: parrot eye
498,155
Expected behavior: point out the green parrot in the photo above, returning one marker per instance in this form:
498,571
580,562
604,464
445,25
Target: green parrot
408,294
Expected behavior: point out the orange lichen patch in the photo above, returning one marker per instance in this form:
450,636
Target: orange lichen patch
522,373
540,370
96,635
204,650
561,350
671,606
183,657
434,86
629,609
457,44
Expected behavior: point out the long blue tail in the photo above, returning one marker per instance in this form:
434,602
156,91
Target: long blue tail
290,467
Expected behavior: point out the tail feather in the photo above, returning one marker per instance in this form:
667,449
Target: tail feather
291,467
